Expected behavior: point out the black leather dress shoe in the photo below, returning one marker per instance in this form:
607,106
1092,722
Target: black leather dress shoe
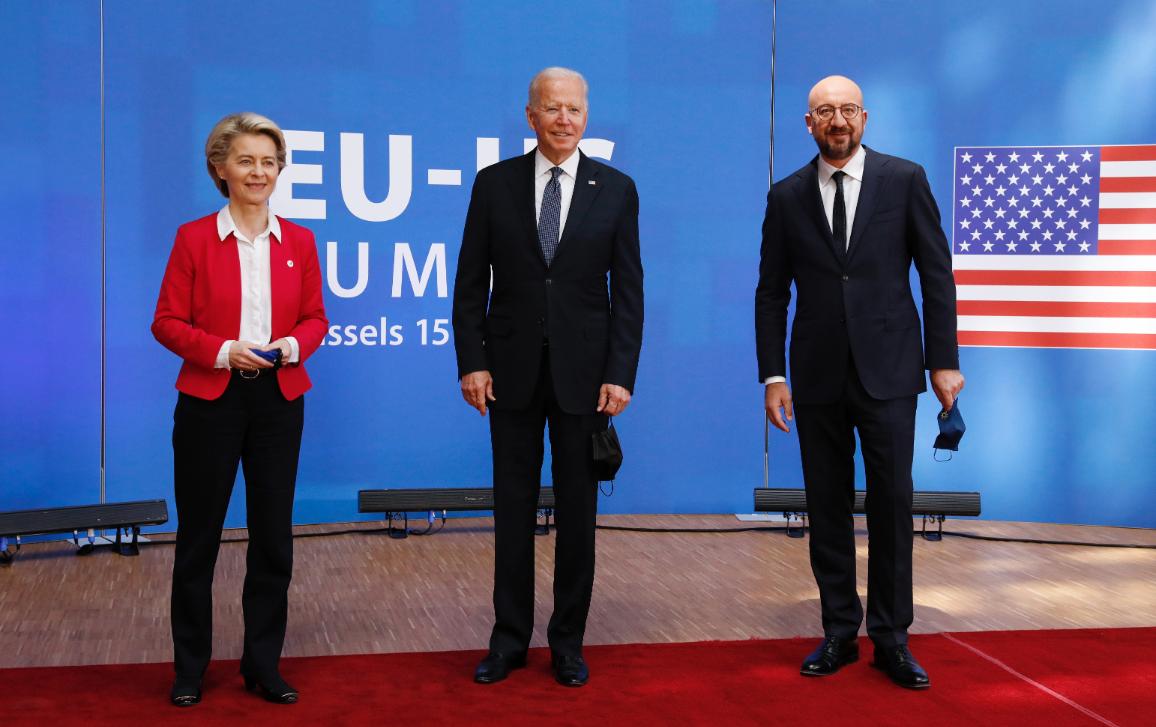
830,656
569,671
898,663
497,666
186,691
274,689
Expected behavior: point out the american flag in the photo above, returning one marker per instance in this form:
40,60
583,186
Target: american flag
1055,246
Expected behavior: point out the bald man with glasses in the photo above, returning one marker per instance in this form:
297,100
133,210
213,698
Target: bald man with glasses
846,229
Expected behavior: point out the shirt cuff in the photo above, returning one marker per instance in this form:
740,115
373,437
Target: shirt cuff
775,380
294,350
223,356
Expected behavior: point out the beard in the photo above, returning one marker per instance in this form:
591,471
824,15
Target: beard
839,147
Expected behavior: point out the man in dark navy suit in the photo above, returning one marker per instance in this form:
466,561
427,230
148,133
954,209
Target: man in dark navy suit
553,341
846,229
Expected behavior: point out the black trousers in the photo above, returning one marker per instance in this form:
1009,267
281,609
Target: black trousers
518,450
827,442
251,424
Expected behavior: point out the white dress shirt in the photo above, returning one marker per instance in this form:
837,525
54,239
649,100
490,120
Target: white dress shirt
256,290
566,180
852,183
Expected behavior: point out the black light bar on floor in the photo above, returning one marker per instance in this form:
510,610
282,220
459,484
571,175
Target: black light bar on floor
932,505
397,503
123,516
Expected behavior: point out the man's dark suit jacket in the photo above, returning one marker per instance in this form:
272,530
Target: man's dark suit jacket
856,305
594,330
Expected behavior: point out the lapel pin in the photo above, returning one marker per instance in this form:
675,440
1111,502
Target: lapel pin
290,263
591,182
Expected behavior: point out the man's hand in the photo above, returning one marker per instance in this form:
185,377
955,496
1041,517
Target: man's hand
946,383
477,389
613,399
779,401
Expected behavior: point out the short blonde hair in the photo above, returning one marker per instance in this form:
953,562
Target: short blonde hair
229,128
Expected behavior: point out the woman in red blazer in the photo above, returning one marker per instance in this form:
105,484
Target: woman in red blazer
241,305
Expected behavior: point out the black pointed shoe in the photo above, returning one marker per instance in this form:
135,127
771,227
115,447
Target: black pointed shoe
898,664
186,691
830,656
569,671
273,689
497,666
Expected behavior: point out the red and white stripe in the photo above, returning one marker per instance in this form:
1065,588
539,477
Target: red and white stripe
1057,301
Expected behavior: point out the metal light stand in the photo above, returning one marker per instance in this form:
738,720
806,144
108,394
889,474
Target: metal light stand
800,530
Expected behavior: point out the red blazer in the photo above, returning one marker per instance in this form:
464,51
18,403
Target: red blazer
199,307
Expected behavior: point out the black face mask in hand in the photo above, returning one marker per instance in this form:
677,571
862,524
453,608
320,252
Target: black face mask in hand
951,429
607,453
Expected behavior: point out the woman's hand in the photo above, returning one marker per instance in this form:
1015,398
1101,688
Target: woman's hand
240,357
282,344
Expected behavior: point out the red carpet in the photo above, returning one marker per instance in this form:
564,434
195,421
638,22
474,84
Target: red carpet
1076,677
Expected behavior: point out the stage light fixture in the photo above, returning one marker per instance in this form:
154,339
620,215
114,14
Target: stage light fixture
397,503
933,506
126,517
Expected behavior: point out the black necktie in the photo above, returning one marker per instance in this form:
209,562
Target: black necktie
550,215
839,213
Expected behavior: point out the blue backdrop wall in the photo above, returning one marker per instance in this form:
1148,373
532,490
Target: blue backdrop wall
50,272
390,109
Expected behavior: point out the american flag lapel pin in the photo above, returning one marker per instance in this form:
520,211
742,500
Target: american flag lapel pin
591,182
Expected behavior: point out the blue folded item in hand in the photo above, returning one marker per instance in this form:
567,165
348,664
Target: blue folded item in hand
273,356
951,429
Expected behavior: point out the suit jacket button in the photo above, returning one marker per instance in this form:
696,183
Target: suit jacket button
548,281
845,278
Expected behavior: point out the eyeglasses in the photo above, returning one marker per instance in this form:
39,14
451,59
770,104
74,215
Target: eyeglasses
826,112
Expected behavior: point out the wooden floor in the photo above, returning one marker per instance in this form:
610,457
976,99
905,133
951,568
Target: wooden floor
363,592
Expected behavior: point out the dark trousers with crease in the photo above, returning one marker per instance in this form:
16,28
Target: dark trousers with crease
251,424
827,443
518,450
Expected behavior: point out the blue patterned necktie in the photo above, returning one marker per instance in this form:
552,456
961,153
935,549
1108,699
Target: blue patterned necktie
550,216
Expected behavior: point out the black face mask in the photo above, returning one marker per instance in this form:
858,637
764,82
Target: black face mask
951,429
607,453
